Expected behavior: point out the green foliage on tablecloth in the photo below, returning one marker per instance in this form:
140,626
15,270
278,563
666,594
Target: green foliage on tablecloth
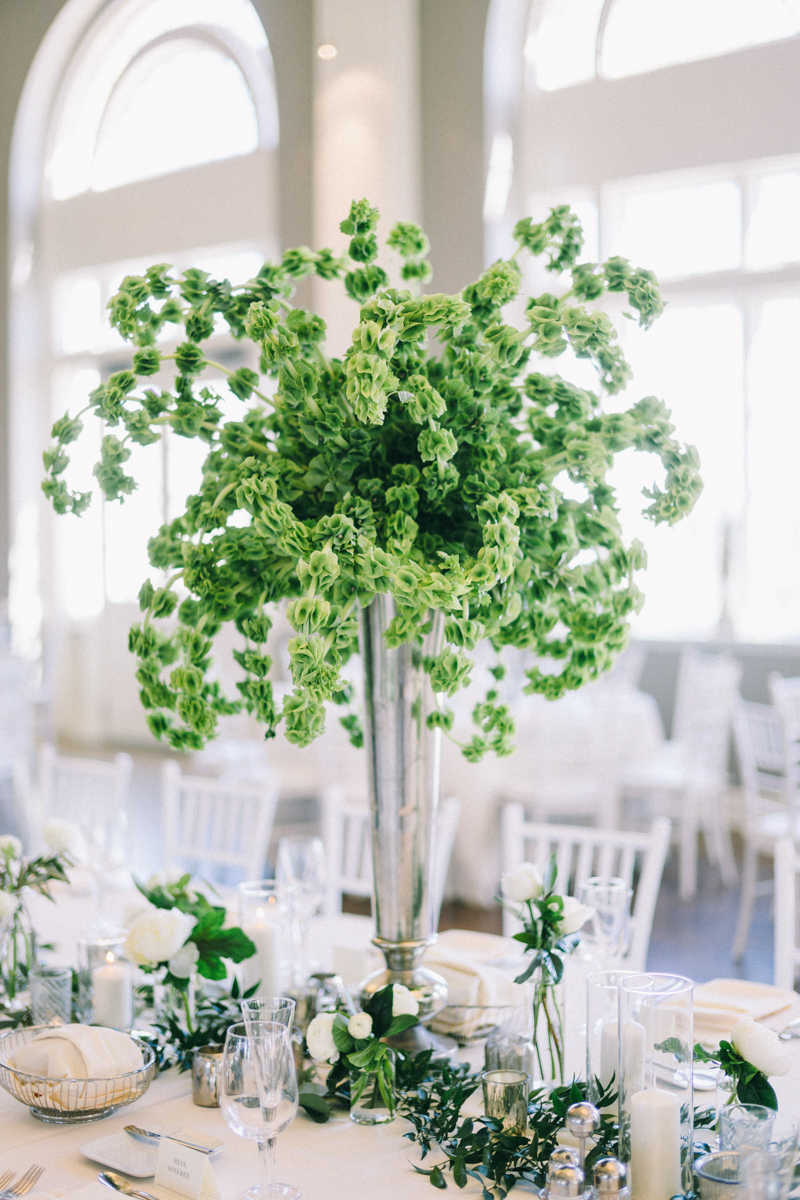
457,479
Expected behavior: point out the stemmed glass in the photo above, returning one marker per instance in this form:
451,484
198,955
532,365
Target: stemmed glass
301,868
610,898
258,1096
260,1009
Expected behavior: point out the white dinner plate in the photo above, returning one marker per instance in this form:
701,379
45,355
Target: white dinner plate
123,1153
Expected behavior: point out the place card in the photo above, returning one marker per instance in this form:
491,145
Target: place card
185,1171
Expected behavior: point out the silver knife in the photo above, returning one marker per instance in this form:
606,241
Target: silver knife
146,1135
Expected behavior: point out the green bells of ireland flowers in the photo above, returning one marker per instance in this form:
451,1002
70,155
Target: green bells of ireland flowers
432,476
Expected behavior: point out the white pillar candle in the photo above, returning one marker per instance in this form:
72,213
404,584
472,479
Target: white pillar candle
633,1039
112,995
655,1145
265,965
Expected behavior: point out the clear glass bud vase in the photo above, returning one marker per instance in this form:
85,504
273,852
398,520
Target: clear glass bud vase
548,1029
17,957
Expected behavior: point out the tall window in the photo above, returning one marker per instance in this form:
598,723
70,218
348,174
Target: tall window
161,152
670,127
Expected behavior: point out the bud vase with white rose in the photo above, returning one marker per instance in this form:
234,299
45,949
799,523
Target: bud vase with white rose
746,1061
179,936
550,925
18,949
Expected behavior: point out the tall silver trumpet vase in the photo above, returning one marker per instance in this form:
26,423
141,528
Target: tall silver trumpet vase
404,758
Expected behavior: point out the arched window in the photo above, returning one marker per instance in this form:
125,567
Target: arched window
670,127
159,145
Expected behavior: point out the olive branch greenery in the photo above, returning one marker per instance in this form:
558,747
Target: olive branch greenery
431,476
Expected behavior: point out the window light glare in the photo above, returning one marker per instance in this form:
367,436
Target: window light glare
326,50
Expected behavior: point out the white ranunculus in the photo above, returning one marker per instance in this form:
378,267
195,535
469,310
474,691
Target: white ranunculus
158,934
360,1025
65,837
760,1046
164,879
521,884
10,846
319,1038
183,963
403,1003
8,905
575,915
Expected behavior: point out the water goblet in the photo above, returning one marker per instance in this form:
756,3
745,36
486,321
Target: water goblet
610,899
258,1096
301,869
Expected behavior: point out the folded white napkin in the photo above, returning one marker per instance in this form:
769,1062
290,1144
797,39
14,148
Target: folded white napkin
469,963
720,1003
78,1052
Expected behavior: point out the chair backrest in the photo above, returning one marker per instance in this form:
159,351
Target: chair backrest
787,952
582,852
786,698
758,733
92,794
216,826
704,698
348,849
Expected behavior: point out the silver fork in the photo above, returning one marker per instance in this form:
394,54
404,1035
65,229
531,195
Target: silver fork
5,1179
24,1185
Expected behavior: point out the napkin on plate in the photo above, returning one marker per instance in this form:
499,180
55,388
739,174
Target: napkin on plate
469,963
78,1052
720,1003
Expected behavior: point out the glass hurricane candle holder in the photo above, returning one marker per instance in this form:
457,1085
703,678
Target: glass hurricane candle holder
505,1099
265,917
602,1032
655,1086
105,980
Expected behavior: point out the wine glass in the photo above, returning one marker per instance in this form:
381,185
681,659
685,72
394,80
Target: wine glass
610,899
301,869
258,1096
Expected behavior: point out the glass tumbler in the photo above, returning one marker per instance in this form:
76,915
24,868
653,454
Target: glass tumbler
746,1127
51,995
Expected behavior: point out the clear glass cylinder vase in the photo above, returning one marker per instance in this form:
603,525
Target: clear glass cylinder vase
403,762
656,1114
548,1029
18,957
373,1104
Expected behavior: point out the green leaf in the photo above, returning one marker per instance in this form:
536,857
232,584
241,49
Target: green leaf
314,1105
437,1178
757,1090
341,1038
400,1024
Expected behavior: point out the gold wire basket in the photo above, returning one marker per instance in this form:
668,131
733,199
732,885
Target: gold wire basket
68,1101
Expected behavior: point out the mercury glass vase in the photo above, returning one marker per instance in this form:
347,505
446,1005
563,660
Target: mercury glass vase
404,758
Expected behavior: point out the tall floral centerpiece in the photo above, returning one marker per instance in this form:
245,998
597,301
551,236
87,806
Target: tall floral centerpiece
412,496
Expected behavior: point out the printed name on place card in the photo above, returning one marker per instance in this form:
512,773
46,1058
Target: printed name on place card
187,1172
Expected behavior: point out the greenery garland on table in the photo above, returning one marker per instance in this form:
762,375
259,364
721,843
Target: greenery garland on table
435,477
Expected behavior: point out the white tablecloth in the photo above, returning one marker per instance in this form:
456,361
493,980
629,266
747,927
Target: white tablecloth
336,1161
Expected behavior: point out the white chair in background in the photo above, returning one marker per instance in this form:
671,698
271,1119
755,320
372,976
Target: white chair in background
758,734
687,779
90,793
787,951
638,858
217,826
348,849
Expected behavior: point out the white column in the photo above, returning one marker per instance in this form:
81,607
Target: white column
366,132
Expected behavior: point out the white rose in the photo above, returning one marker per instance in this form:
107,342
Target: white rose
360,1025
8,905
575,914
403,1003
523,883
760,1046
183,963
319,1038
158,934
65,837
164,879
10,846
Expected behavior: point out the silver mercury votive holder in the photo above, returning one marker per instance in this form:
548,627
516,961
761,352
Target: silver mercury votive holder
207,1075
505,1099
